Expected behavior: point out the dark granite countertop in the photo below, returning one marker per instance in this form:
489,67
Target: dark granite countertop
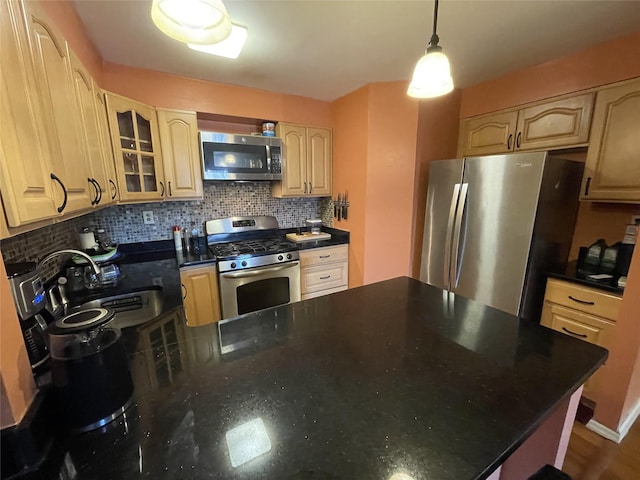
391,377
572,274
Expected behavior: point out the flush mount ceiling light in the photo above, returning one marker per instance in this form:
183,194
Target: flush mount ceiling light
230,47
432,75
201,22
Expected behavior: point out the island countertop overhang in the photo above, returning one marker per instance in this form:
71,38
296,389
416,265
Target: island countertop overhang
393,376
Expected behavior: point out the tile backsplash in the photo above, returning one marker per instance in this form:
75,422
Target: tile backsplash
124,223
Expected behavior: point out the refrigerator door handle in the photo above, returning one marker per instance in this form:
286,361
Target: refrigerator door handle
448,238
462,203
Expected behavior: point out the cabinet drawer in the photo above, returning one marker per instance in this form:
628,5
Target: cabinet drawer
576,324
322,277
324,255
321,293
583,298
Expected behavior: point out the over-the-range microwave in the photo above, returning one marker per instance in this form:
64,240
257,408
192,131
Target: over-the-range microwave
226,156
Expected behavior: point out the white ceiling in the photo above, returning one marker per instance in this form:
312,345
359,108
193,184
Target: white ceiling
325,49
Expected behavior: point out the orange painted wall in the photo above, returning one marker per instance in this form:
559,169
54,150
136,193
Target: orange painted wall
171,91
600,220
608,62
621,387
350,151
65,17
437,140
393,122
18,387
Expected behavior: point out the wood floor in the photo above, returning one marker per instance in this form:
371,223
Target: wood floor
591,457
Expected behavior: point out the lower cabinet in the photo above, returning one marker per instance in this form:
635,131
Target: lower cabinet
200,295
581,312
324,270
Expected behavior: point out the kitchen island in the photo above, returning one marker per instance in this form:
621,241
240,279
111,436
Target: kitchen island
393,377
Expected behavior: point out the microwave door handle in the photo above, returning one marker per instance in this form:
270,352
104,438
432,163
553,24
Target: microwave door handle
253,273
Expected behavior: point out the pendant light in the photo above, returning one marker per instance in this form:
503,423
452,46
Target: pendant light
200,22
432,75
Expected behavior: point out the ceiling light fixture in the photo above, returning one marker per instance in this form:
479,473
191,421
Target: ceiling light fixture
230,47
200,22
432,75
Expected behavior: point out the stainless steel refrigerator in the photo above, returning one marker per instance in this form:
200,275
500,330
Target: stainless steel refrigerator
496,225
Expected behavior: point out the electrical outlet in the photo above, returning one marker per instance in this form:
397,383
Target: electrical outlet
147,217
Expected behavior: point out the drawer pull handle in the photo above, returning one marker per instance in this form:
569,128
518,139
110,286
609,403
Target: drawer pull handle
581,335
584,302
325,256
324,278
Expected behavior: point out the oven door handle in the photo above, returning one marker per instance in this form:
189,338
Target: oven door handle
253,273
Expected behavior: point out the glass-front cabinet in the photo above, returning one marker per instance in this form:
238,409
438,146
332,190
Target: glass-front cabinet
136,144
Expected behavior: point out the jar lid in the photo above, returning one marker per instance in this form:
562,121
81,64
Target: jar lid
82,320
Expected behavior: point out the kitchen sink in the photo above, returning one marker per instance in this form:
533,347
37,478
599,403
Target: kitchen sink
132,308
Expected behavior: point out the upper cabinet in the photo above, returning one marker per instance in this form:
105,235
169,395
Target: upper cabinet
612,170
89,116
555,124
306,162
181,154
28,192
51,59
136,147
105,145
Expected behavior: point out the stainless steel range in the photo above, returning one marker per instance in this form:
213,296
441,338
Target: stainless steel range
257,268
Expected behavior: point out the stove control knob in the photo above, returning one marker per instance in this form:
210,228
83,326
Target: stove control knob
233,265
244,263
280,257
288,256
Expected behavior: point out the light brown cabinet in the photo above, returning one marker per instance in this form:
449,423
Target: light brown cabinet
306,162
28,192
552,124
105,145
200,295
180,153
136,146
89,131
323,271
51,59
612,170
581,312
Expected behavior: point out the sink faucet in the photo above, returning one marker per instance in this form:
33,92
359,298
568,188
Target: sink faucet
93,264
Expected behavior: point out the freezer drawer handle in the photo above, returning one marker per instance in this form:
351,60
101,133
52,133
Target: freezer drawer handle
581,335
584,302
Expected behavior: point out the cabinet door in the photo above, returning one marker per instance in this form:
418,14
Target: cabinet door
105,145
25,183
493,133
556,124
583,326
180,153
200,295
294,161
89,132
50,56
612,171
319,161
135,140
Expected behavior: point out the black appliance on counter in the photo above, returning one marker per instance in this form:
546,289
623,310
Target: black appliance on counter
31,303
89,369
257,268
599,259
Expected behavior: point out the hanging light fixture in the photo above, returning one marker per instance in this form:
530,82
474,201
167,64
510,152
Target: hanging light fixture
230,47
432,75
200,22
